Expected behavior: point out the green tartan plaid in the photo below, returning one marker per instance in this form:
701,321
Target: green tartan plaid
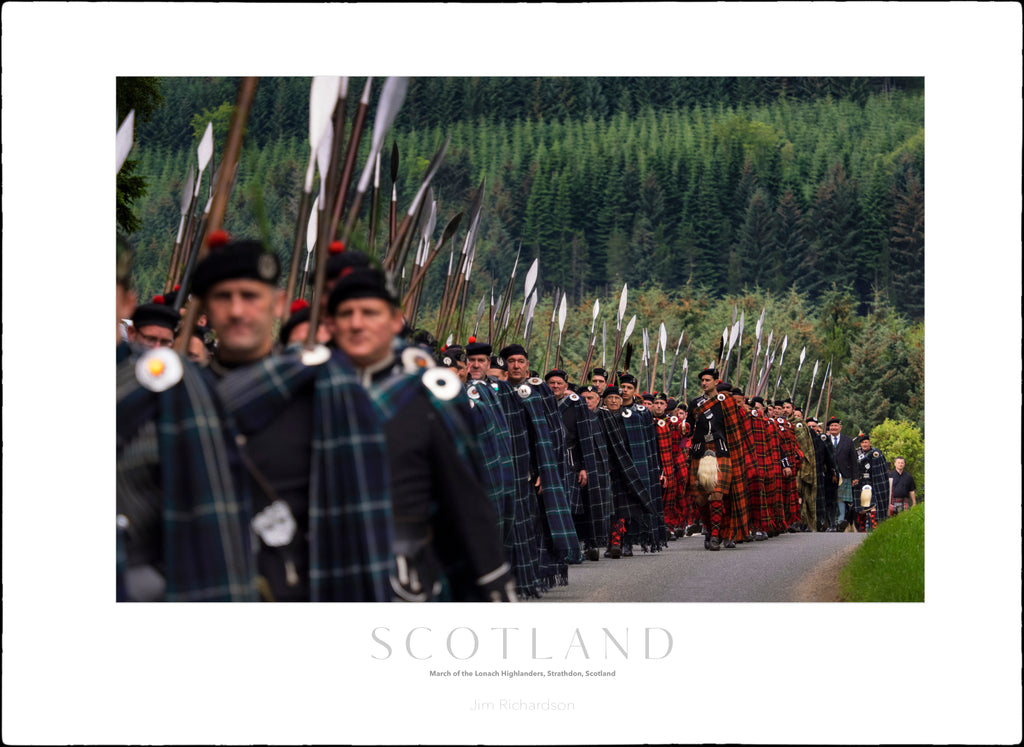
595,498
629,489
525,543
548,445
350,519
180,484
491,428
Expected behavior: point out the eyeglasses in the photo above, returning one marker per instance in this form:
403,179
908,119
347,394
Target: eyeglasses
156,342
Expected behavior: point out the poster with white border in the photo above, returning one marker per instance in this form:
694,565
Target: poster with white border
77,668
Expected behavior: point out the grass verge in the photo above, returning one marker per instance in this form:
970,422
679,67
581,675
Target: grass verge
889,564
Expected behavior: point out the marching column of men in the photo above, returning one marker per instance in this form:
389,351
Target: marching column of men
373,468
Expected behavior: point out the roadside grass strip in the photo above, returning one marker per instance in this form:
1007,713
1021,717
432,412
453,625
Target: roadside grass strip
889,564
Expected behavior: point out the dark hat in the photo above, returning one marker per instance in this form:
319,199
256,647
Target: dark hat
787,400
812,420
498,363
338,259
450,355
670,404
156,315
588,388
599,372
556,372
757,400
711,371
573,388
777,403
478,348
833,420
661,395
513,349
170,298
736,390
723,386
627,378
361,282
299,314
647,397
424,339
612,390
244,259
863,437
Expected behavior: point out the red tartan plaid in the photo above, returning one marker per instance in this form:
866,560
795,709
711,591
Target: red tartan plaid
768,455
741,452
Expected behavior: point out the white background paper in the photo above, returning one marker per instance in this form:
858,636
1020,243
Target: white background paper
78,668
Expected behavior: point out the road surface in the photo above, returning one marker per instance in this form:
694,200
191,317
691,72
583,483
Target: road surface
768,571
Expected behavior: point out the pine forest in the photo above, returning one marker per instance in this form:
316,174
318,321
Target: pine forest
710,199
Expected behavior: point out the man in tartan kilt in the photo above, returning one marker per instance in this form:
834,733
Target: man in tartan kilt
569,407
544,435
237,506
447,546
668,438
720,461
807,474
632,506
873,472
643,445
595,496
770,517
792,457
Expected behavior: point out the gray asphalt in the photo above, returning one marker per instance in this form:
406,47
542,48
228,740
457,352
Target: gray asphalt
767,571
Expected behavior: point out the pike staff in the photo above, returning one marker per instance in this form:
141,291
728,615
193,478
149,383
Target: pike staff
803,353
218,202
782,357
204,153
323,97
629,331
531,281
618,329
814,377
593,341
551,328
828,370
675,357
561,326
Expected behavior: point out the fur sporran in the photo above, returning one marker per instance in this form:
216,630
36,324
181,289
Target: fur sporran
707,473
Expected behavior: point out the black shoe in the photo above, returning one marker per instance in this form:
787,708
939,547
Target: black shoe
707,541
613,552
691,529
679,532
593,554
842,526
760,536
715,543
730,544
627,551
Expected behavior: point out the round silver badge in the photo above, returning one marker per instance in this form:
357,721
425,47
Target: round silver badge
523,390
442,383
159,369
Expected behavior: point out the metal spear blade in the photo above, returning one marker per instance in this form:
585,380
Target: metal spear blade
622,306
391,97
125,139
629,329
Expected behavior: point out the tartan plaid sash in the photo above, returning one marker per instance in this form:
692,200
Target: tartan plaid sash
350,519
177,459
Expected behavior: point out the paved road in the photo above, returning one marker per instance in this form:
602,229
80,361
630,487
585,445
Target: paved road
767,571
